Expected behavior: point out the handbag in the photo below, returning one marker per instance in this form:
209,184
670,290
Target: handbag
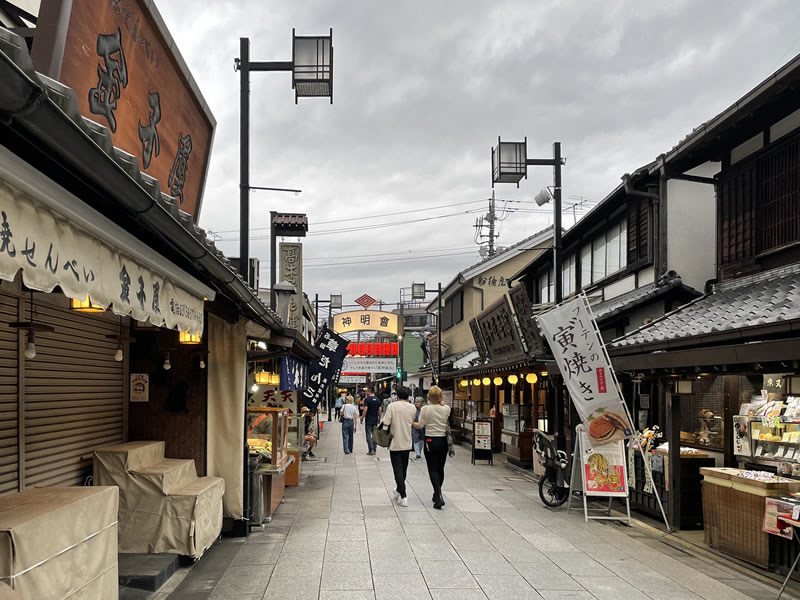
451,451
381,436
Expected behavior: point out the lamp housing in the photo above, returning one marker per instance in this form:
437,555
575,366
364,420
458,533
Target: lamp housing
509,162
312,66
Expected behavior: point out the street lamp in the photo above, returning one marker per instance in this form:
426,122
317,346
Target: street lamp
510,164
312,76
418,291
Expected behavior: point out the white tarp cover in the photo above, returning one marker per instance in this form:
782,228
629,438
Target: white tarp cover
52,252
227,372
60,542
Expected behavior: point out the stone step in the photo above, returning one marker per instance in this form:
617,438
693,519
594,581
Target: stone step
129,593
146,572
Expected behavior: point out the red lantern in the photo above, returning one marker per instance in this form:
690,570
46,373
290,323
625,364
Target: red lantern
395,348
369,349
351,348
362,349
387,349
378,349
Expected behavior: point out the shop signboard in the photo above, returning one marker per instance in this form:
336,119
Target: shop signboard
352,379
741,436
324,371
129,76
427,382
523,308
773,508
370,365
480,343
140,387
499,332
447,397
291,271
294,373
366,320
580,353
603,468
52,251
482,440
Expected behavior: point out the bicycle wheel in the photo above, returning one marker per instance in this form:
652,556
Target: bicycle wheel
550,492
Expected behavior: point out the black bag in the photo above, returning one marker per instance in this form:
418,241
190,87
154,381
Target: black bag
381,436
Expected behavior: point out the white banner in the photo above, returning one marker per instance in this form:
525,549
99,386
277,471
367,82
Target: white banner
52,252
352,379
369,365
581,355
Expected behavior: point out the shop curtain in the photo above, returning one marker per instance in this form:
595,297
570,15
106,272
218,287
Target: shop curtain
227,369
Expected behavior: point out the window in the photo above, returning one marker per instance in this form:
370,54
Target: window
609,254
598,258
453,310
638,229
568,283
545,289
586,265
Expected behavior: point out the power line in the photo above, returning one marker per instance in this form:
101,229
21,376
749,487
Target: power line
397,254
389,260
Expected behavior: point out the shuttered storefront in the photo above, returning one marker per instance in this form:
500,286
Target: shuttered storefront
73,394
9,418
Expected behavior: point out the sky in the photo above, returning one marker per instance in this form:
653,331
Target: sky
395,173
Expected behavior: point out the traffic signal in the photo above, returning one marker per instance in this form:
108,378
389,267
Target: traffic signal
399,373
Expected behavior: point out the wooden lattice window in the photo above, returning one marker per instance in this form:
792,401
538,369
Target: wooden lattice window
779,195
736,222
638,229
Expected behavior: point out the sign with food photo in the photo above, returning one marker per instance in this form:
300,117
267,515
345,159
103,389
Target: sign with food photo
581,356
604,472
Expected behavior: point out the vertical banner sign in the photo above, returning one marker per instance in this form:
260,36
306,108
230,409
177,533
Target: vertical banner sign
581,356
325,371
292,271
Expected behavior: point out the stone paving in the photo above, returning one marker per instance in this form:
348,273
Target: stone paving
339,536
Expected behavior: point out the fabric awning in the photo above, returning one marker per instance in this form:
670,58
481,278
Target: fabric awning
52,250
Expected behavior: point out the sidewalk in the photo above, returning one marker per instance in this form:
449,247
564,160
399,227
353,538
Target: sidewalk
339,537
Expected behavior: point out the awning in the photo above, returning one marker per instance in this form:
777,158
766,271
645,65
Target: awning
56,240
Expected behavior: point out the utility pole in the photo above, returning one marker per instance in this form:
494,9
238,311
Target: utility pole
491,219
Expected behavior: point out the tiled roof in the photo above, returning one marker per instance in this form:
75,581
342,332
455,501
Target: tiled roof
766,299
287,220
645,293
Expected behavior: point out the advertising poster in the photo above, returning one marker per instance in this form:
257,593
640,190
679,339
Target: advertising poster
604,472
770,525
581,355
140,387
741,436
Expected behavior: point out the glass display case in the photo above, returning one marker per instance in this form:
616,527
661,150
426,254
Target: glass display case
517,417
769,434
267,435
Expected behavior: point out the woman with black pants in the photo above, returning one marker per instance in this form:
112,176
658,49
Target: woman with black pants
434,418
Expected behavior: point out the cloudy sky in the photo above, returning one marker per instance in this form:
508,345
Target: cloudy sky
422,91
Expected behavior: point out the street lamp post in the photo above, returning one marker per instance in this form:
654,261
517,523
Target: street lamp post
510,164
418,291
312,76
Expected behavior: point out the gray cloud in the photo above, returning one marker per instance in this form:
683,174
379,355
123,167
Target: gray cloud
423,89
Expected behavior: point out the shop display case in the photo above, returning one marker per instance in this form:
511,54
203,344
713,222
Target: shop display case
268,439
768,434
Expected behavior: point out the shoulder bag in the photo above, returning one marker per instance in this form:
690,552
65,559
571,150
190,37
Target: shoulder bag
381,435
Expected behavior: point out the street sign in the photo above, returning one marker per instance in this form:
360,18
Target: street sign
370,365
366,320
353,379
366,301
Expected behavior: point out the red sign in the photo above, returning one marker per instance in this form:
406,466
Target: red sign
601,380
366,301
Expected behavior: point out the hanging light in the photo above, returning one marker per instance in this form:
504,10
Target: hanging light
85,305
486,381
531,378
544,373
464,383
262,377
275,379
512,379
118,355
498,381
167,365
476,381
254,387
30,346
202,364
187,338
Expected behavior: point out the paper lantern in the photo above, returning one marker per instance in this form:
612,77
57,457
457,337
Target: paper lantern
512,379
531,378
464,383
486,381
476,382
498,381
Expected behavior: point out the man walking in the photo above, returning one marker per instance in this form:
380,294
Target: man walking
399,417
370,416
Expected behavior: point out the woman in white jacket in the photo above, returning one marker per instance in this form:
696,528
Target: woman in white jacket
434,418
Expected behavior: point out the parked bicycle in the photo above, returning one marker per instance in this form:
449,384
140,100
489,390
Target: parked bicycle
554,482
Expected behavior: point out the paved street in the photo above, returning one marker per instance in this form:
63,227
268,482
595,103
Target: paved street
340,537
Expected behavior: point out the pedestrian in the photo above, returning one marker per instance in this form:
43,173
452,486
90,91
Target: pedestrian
434,418
349,414
339,404
308,432
370,416
399,417
417,435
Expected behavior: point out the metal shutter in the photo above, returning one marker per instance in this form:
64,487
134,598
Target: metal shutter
73,394
9,355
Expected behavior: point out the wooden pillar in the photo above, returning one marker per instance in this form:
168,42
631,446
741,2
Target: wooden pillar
673,407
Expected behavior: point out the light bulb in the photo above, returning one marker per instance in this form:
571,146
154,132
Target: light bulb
118,355
167,364
30,346
254,387
202,364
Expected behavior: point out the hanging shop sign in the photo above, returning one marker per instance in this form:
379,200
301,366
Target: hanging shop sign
51,252
294,373
480,343
325,371
523,308
603,468
352,379
140,387
366,320
370,365
571,332
129,76
291,259
496,323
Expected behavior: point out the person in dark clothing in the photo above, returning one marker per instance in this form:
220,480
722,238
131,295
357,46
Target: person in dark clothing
370,416
434,418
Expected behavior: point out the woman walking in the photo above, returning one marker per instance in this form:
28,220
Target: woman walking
349,414
434,418
399,417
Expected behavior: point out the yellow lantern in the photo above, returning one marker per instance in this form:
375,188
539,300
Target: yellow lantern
486,381
498,381
85,305
262,377
275,379
187,338
531,378
544,373
512,379
464,383
476,382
